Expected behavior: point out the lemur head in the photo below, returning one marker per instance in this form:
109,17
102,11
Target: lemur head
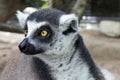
48,31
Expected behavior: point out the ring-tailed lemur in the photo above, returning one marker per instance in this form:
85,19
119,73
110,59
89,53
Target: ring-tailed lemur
54,49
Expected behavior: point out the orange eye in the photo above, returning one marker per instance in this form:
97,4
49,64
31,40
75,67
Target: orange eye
44,33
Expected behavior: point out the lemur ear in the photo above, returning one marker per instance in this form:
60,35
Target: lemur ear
21,18
70,19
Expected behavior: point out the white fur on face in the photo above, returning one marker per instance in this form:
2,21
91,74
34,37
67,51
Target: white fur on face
33,26
63,44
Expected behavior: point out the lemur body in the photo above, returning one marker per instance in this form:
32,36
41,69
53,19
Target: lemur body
54,48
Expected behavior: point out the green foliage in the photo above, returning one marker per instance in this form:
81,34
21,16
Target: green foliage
44,6
36,3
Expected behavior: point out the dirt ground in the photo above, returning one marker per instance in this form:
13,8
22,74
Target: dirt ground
8,46
105,50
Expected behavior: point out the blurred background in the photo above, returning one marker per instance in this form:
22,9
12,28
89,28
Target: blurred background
99,24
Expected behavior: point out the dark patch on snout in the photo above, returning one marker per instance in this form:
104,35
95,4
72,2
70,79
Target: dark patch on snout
27,48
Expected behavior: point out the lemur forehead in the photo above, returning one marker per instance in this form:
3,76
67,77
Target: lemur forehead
50,15
33,26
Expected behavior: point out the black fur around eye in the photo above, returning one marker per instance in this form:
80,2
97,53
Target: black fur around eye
44,33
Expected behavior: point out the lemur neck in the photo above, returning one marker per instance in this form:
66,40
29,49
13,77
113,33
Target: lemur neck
78,65
55,61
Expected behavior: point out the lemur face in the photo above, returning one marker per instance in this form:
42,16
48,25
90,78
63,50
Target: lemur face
48,31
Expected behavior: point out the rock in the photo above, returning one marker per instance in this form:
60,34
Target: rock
29,10
110,28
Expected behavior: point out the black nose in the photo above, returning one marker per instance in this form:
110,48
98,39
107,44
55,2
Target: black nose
23,45
26,47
